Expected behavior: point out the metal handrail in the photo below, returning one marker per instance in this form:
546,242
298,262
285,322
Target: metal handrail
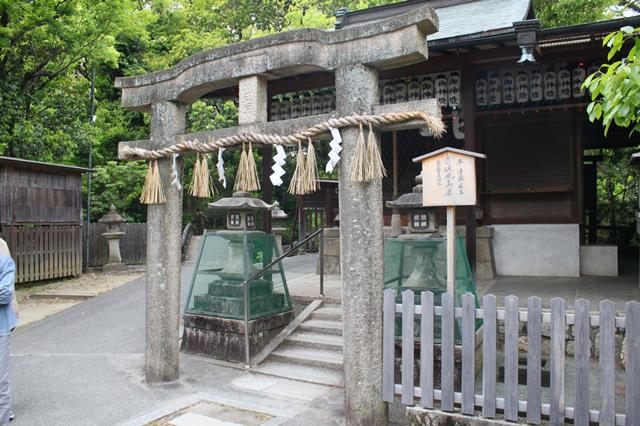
258,274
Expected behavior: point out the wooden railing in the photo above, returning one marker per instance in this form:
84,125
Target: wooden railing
461,323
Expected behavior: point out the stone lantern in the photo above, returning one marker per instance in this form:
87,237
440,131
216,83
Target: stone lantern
277,214
113,235
238,298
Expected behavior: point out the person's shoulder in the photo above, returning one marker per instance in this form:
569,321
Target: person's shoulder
4,249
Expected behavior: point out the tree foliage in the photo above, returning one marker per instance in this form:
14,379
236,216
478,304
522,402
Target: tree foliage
615,88
49,48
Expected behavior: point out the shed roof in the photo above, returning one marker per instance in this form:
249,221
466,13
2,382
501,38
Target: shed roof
41,166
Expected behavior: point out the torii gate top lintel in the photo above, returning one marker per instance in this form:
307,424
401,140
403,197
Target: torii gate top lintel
387,43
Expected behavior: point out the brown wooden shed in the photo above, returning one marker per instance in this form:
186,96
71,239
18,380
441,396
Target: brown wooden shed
41,217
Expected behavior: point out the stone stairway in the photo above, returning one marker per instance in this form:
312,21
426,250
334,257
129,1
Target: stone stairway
313,352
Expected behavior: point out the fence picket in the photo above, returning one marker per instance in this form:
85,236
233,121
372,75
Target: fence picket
511,359
426,349
632,357
534,359
582,333
557,360
468,353
408,309
388,347
489,356
447,352
607,384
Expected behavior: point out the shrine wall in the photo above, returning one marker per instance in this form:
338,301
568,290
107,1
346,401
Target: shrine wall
537,250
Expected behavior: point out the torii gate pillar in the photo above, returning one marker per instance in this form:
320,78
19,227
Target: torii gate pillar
361,245
164,228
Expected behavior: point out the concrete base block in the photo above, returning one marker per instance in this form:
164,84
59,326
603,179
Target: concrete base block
223,338
417,416
537,250
110,268
599,260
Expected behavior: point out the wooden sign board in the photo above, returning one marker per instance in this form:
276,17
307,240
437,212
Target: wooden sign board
449,177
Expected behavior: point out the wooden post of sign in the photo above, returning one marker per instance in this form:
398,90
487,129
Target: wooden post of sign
449,180
451,249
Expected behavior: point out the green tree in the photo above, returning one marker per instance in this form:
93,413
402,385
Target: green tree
615,87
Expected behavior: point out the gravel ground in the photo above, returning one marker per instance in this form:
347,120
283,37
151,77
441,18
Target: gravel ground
32,310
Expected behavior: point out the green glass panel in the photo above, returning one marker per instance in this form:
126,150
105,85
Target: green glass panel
229,258
420,264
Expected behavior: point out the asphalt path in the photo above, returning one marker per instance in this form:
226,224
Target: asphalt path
85,365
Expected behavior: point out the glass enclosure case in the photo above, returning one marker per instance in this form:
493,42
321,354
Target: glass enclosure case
416,263
226,260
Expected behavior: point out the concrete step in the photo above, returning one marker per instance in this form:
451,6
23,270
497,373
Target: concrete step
308,356
332,312
322,326
316,340
304,373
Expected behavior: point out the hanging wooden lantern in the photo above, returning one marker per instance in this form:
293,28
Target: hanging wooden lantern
453,90
495,91
426,88
535,86
442,91
306,106
564,84
274,109
578,75
401,91
414,89
508,88
316,102
296,105
550,86
481,92
331,99
457,123
388,92
522,88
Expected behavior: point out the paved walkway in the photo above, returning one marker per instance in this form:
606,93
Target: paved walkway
85,366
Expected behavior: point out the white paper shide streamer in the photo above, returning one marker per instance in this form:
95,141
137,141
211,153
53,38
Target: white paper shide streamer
220,166
334,154
174,172
278,162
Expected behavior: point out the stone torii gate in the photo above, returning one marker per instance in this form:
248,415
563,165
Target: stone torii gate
355,54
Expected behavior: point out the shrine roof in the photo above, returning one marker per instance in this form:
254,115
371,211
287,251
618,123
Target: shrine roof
459,19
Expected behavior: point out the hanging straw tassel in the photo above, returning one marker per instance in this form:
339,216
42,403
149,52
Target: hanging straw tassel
375,167
253,179
152,192
297,185
202,184
311,170
241,180
359,166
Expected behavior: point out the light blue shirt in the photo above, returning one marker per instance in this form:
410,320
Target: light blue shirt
8,319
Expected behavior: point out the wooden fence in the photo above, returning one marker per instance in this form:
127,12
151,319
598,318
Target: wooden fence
596,407
133,246
46,252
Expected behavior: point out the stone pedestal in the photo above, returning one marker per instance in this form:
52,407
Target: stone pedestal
278,231
223,338
331,252
485,261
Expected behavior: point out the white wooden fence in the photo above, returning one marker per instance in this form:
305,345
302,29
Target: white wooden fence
533,409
